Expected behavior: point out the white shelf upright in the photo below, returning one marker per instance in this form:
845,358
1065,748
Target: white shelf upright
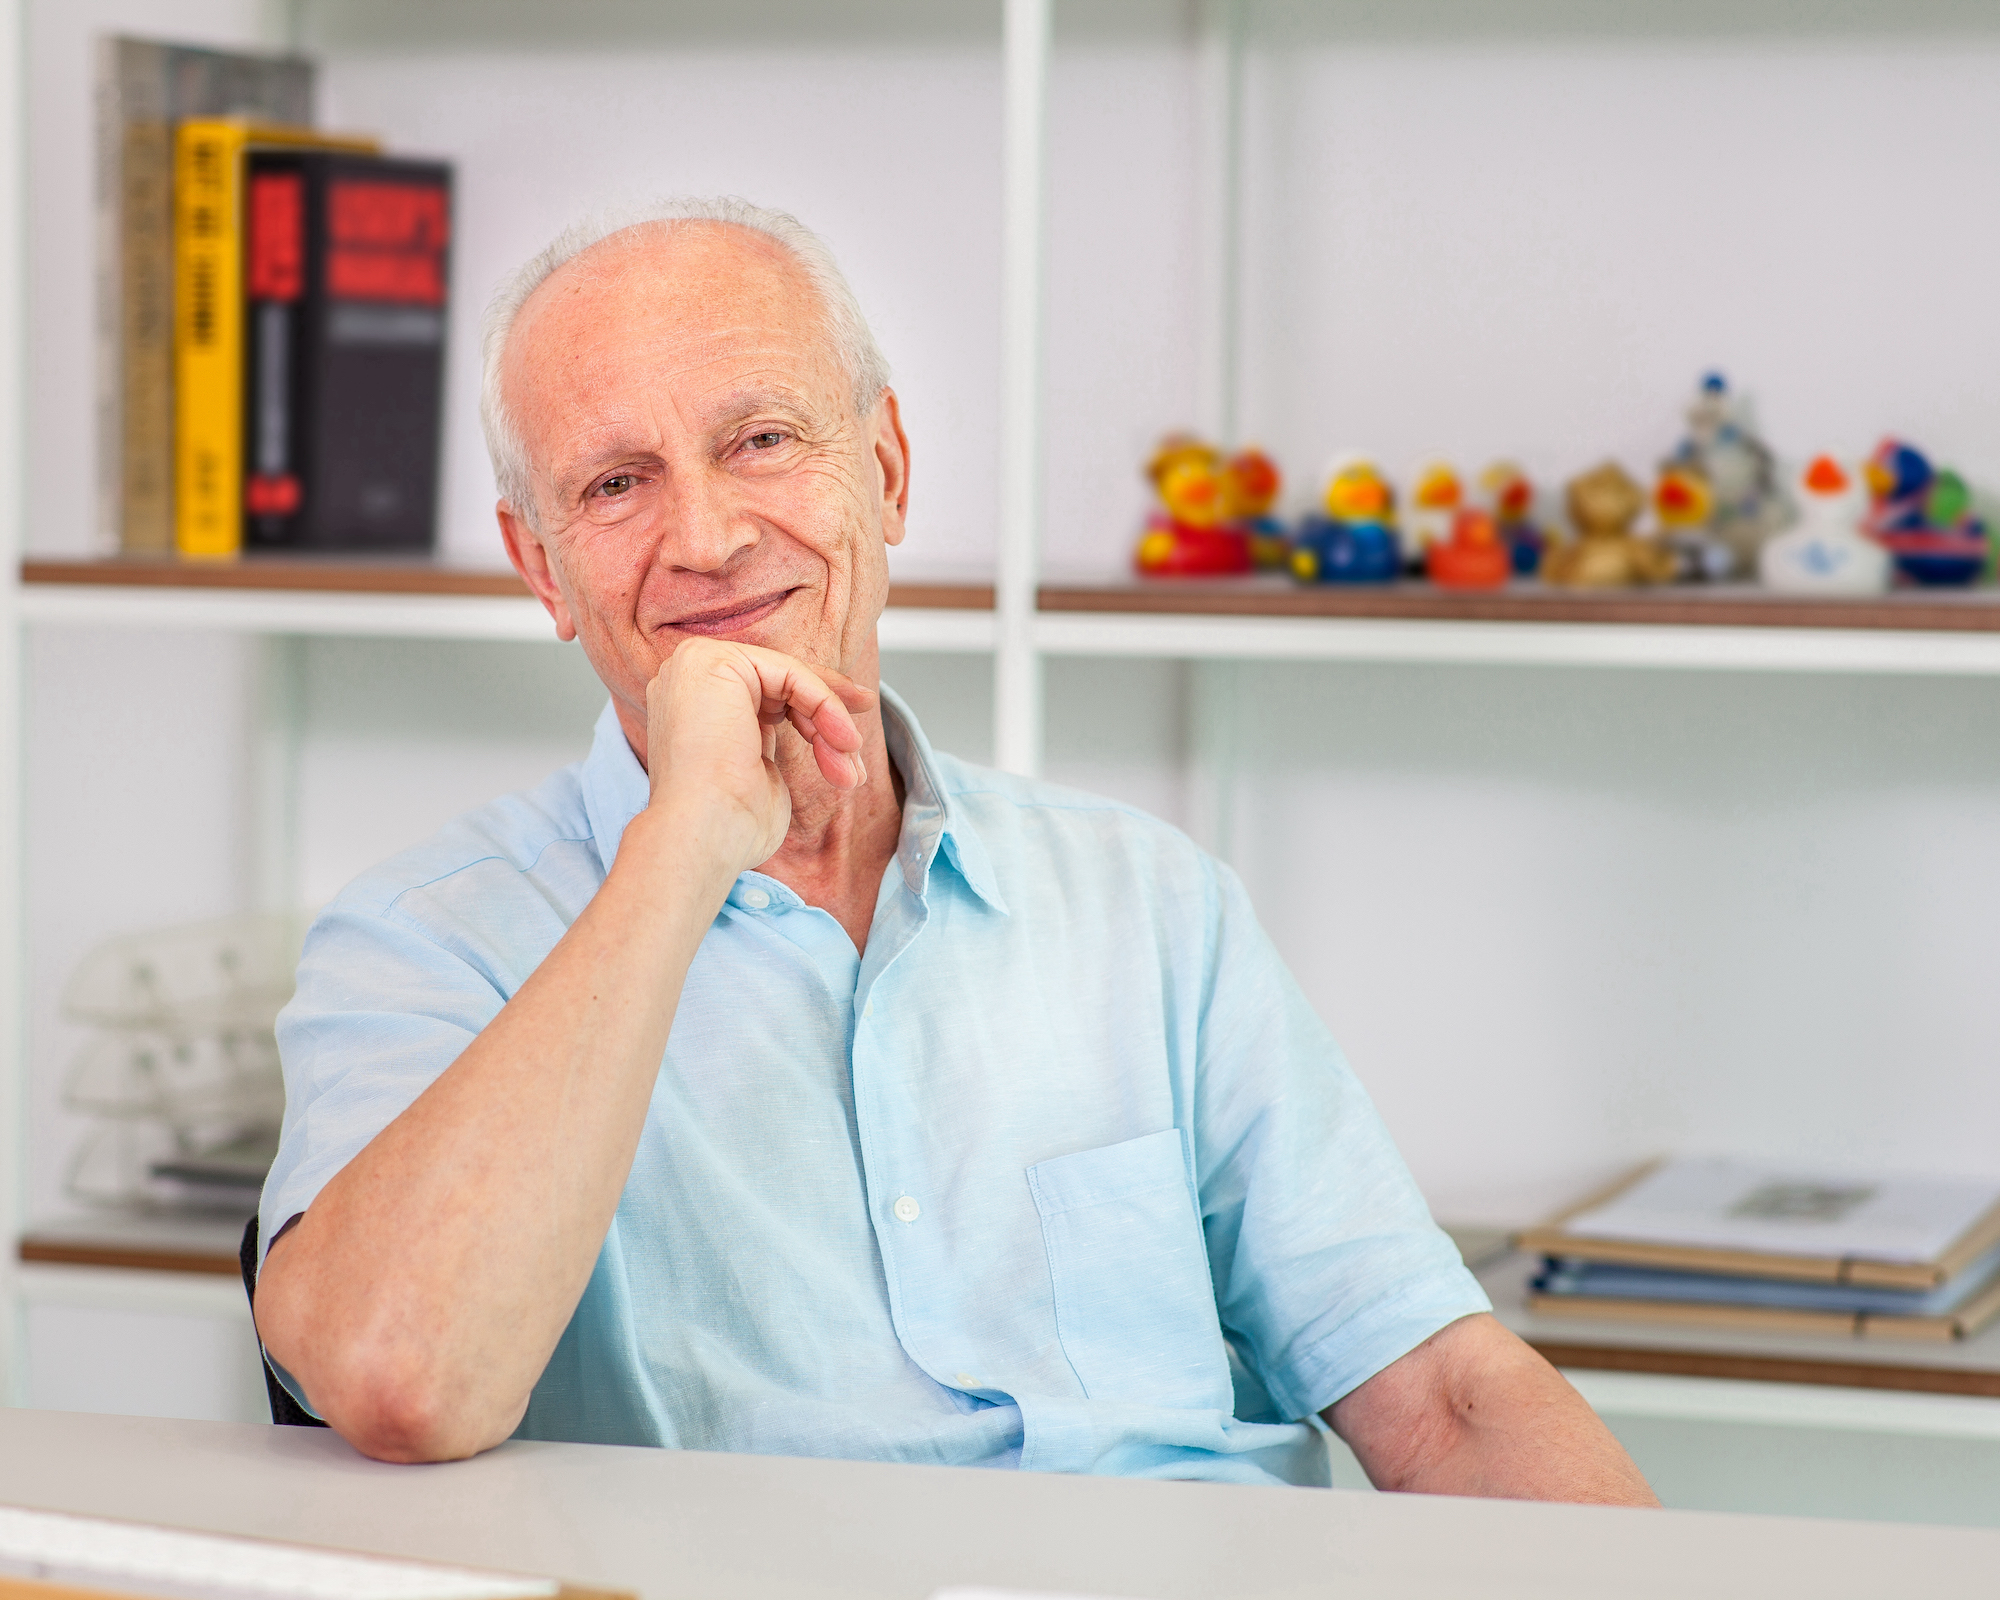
1017,665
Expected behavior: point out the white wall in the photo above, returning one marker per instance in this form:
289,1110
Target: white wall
137,816
891,152
1562,921
1491,246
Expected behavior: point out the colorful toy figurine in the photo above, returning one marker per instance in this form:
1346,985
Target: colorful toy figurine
1684,506
1737,468
1355,541
1474,557
1250,485
1511,498
1434,503
1924,517
1606,554
1188,535
1826,551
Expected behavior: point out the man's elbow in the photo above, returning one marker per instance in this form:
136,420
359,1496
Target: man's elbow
387,1402
404,1419
395,1411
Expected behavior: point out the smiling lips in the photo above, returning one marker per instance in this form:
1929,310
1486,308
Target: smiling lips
731,618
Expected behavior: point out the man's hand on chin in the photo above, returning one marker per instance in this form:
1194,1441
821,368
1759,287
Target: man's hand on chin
1474,1411
713,716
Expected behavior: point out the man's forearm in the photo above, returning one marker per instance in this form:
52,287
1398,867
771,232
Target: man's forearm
421,1295
1474,1411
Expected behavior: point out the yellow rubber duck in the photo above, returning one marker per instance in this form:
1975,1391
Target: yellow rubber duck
1191,490
1357,492
1434,505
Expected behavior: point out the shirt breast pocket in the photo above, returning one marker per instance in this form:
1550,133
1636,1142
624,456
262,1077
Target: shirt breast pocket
1135,1307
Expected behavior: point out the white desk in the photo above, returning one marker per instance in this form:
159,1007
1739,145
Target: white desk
714,1527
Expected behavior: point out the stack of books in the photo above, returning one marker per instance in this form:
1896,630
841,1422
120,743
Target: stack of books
272,300
1736,1245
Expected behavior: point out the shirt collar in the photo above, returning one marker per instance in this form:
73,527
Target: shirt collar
930,820
615,790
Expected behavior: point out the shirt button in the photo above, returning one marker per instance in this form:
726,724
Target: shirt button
907,1210
869,1009
756,899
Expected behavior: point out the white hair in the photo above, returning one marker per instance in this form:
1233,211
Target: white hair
842,321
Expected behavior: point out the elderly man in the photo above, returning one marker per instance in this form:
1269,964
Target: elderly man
769,1081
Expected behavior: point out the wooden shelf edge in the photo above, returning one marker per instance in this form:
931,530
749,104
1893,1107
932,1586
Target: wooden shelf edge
1733,606
1768,1369
267,574
942,596
67,1253
378,576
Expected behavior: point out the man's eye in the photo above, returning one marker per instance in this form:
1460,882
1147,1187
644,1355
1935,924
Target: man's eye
611,488
765,441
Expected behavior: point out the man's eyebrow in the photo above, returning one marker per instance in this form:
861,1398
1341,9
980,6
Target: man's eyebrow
608,450
748,402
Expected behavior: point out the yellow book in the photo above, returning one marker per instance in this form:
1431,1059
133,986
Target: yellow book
208,324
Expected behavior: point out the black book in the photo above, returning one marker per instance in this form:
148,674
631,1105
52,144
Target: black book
345,273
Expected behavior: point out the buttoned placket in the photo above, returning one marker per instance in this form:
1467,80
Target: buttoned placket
888,1118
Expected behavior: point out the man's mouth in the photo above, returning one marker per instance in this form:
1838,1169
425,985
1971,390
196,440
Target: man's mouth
732,617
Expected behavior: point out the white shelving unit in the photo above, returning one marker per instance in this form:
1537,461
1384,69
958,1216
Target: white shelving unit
1521,644
1016,631
1021,645
395,616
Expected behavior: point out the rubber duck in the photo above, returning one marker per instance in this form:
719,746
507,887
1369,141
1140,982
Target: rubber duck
1355,540
1250,485
1434,503
1684,508
1745,506
1188,536
1606,554
1510,497
1924,517
1826,551
1474,557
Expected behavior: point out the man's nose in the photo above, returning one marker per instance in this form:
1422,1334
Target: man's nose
706,527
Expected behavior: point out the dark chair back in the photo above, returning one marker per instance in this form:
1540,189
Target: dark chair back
284,1409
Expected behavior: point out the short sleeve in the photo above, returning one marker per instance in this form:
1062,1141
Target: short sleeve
382,1007
1326,1262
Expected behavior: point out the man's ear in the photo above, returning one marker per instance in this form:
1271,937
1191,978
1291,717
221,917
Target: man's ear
892,463
531,559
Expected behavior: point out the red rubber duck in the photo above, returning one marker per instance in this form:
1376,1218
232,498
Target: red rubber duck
1474,557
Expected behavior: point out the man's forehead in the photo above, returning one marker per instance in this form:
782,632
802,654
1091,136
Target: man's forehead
695,279
723,306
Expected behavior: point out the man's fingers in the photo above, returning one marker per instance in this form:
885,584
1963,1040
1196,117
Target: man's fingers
852,695
815,704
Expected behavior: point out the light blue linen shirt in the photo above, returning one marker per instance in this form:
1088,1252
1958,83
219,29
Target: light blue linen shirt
1062,1172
